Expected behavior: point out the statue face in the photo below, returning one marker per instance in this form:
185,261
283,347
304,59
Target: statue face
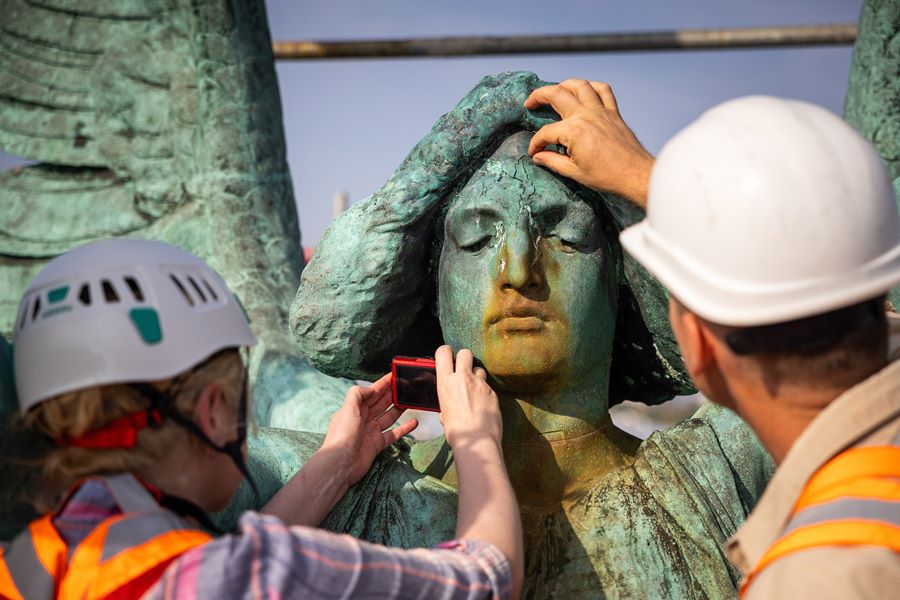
525,276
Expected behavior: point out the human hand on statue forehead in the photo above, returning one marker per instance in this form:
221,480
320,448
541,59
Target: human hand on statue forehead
573,95
601,150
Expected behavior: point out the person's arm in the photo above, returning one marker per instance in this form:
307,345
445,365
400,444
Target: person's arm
602,152
470,412
484,562
272,560
356,434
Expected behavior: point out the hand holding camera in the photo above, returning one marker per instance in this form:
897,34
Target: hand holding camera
361,429
470,411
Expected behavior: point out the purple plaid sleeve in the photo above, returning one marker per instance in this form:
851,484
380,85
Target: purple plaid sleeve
270,560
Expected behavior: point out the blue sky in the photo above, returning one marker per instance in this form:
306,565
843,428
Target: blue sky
349,123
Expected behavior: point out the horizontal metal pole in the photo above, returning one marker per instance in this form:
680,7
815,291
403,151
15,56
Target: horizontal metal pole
691,39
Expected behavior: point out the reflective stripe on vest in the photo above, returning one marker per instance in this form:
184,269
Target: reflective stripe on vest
129,494
33,562
8,589
118,550
122,548
853,500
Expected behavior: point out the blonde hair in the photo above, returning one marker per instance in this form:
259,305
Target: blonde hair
76,413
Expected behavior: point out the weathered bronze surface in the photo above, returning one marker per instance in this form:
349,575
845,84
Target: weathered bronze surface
157,119
873,96
471,243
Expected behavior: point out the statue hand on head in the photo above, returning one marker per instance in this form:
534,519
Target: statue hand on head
458,139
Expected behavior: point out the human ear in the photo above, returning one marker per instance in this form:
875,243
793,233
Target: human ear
704,355
694,340
211,412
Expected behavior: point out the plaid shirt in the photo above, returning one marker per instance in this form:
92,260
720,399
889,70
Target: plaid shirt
270,560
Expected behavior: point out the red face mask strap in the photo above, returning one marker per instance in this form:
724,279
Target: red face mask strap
120,433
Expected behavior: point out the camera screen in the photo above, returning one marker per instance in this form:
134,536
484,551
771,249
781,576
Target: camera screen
417,387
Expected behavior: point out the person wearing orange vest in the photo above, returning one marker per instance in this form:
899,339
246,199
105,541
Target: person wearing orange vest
128,356
774,226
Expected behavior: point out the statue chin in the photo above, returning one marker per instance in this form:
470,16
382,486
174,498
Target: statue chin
526,371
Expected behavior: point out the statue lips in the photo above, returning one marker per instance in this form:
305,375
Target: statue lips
518,319
519,324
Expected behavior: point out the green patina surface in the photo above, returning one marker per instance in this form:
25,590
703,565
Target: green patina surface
873,97
157,119
523,264
381,287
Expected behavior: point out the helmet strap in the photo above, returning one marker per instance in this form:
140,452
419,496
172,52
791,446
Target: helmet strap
186,508
164,404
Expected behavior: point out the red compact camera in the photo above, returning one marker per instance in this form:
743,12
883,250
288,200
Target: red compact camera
414,383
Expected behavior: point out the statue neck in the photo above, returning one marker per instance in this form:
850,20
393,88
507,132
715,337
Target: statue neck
557,446
552,416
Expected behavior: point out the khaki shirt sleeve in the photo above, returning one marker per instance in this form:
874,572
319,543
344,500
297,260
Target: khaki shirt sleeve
830,573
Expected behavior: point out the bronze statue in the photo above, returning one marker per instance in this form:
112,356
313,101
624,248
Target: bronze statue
471,243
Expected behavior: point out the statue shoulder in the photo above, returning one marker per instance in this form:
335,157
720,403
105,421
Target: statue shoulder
396,505
274,456
746,456
717,452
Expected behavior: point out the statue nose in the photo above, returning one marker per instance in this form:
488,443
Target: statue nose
520,261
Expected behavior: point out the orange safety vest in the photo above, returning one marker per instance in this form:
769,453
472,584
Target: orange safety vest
853,500
121,557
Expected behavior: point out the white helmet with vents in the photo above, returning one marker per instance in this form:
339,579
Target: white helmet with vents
121,311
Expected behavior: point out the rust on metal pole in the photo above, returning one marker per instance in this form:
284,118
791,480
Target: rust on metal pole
691,39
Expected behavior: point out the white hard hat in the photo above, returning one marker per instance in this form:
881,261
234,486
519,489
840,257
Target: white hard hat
120,311
767,210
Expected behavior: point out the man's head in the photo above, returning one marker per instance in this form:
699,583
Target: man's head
824,354
775,226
